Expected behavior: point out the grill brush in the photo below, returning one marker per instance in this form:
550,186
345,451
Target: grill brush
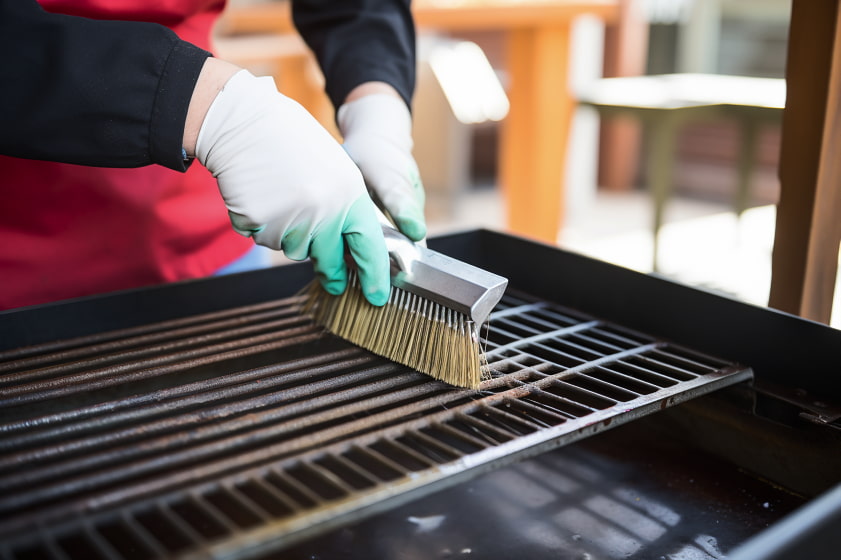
432,318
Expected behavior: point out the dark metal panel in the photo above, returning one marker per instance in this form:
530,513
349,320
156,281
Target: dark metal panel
779,347
810,532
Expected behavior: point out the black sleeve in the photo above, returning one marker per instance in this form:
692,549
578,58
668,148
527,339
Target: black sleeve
90,92
357,41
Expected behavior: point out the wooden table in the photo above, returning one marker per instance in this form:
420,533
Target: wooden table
534,135
664,103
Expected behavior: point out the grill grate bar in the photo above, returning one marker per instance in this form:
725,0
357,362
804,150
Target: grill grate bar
601,387
54,549
329,477
189,457
368,479
548,378
463,436
481,428
559,401
98,544
436,451
345,487
47,350
664,368
410,452
300,494
638,374
33,367
502,311
517,368
617,335
152,355
688,364
607,347
171,519
374,462
127,373
143,536
537,414
542,321
242,500
524,305
643,387
537,338
204,443
512,420
212,425
270,499
539,353
200,502
136,407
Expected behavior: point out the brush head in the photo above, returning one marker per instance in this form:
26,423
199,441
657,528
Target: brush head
408,329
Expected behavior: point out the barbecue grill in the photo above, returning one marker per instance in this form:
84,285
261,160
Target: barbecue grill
627,416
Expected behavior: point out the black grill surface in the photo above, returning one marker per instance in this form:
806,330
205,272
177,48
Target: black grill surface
238,432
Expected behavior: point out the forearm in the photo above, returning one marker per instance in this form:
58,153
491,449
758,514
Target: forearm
214,74
371,88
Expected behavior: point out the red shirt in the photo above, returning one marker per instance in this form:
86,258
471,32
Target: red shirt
69,230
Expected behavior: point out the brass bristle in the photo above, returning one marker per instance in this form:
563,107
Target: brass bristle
408,329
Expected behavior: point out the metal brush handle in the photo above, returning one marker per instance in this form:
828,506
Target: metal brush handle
441,279
401,249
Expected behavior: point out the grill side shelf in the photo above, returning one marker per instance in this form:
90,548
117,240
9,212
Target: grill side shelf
285,432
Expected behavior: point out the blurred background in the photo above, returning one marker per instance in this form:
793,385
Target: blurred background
480,72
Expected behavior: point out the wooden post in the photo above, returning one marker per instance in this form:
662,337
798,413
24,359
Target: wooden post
625,52
808,231
534,134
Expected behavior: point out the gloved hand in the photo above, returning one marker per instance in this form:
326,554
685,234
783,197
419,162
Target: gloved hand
377,131
288,184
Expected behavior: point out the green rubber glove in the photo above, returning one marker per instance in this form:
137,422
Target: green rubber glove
362,232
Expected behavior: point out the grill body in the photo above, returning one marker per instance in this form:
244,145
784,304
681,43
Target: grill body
208,418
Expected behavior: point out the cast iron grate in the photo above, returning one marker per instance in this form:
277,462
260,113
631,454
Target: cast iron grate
239,432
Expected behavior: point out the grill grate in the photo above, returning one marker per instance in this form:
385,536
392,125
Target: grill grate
239,432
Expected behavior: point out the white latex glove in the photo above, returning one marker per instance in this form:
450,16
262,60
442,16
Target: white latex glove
288,184
377,131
